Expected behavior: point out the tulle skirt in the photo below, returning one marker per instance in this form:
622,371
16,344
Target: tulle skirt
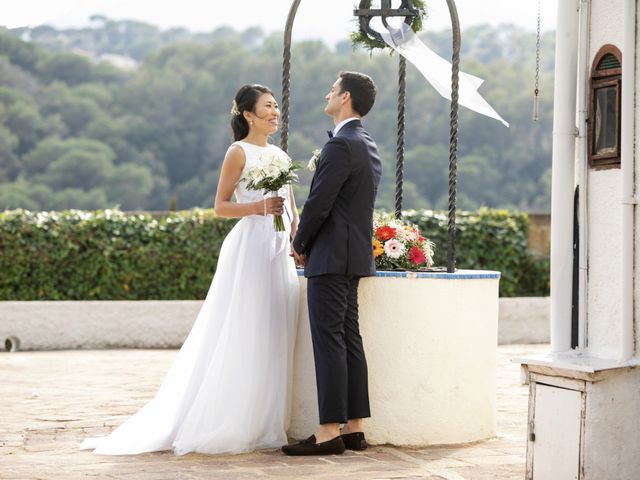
229,388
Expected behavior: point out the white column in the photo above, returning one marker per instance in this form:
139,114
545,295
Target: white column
627,173
562,174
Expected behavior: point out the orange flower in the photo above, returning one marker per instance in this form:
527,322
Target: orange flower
378,249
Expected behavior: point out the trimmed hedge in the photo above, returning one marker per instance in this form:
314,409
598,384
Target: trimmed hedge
489,239
110,255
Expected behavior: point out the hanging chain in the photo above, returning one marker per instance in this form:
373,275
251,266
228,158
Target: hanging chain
536,91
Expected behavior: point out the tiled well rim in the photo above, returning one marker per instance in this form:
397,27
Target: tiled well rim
458,275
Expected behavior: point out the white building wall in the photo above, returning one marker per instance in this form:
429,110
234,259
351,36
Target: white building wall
604,217
636,287
603,311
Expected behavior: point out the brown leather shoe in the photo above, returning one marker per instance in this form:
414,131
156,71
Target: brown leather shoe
335,446
354,441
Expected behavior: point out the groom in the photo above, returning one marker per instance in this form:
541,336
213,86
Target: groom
333,242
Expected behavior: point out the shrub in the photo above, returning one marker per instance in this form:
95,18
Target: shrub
110,255
488,239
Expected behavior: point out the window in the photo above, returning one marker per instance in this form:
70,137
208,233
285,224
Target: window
604,109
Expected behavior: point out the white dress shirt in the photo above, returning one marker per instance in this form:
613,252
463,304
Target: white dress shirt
342,124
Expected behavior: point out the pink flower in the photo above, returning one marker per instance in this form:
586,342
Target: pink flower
394,249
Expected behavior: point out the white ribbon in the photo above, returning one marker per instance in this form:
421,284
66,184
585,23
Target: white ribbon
437,70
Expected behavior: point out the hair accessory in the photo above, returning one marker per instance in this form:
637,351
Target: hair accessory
234,109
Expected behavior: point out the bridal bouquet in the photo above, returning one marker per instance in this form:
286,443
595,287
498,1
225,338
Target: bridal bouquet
270,174
400,246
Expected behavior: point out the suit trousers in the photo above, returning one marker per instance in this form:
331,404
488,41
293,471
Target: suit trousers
341,366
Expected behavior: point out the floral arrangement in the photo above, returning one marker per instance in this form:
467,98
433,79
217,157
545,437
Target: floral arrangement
270,174
313,161
360,38
399,246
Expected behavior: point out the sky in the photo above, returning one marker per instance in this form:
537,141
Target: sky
329,20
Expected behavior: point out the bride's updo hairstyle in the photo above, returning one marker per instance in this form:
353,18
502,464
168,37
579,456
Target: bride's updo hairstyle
245,101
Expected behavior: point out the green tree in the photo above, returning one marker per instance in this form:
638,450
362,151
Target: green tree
427,169
12,76
78,169
52,149
9,165
25,120
129,186
16,195
69,68
19,53
170,116
79,199
76,112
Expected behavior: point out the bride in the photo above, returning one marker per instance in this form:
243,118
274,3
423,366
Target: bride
228,389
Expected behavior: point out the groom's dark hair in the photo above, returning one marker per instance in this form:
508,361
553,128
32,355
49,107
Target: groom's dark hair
361,88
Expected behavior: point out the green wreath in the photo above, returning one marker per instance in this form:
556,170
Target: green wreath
360,38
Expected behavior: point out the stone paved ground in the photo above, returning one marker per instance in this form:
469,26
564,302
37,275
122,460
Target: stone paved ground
50,401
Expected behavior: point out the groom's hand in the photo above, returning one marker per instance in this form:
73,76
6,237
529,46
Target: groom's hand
299,258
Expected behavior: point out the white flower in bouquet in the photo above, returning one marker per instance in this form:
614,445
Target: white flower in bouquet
272,170
427,248
393,248
270,174
401,233
409,234
254,175
282,162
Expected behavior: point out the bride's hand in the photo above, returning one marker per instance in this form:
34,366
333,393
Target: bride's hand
273,206
299,258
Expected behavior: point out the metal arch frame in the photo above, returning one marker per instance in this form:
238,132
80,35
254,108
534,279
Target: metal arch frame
453,135
286,75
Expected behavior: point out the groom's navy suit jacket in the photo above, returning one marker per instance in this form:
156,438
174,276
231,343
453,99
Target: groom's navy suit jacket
335,230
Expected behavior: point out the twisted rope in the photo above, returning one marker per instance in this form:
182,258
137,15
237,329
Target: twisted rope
286,76
453,138
402,89
286,89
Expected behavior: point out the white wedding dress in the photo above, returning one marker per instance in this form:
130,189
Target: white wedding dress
229,387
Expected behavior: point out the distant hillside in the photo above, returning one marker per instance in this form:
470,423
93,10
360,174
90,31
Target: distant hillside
125,113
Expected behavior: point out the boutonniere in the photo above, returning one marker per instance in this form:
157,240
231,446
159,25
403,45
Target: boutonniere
313,162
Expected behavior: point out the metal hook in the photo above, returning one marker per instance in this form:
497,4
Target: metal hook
385,6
